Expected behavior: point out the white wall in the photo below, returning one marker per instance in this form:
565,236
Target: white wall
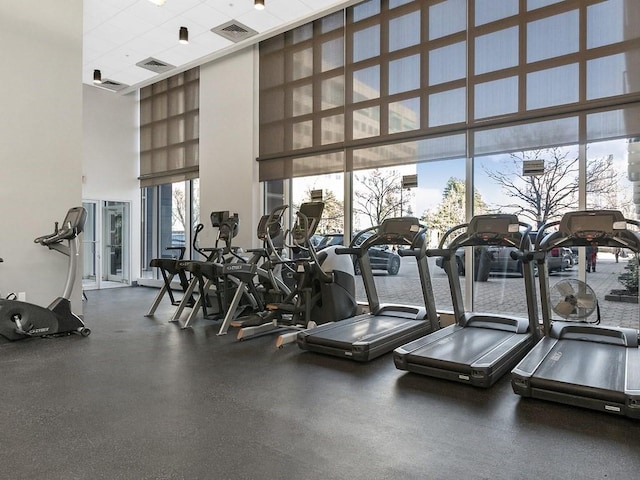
40,140
111,164
228,146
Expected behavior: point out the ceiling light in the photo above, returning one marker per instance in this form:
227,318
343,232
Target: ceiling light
183,36
158,2
97,77
259,4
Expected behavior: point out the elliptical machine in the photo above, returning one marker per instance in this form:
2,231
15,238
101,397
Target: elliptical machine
19,320
324,288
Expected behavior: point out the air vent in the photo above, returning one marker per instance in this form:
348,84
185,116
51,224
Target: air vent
112,85
234,31
155,65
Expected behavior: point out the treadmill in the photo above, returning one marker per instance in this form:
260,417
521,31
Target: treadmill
586,365
479,347
386,326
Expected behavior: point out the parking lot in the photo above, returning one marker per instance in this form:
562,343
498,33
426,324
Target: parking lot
504,293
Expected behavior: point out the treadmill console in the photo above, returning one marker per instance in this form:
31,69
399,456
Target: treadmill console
591,224
493,229
397,231
583,228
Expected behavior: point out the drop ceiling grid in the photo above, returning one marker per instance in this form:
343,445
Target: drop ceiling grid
120,33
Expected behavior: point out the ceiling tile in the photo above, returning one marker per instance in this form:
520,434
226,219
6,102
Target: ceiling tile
120,33
260,20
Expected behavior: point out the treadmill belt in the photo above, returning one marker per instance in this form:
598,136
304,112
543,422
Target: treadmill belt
583,368
367,329
462,347
365,337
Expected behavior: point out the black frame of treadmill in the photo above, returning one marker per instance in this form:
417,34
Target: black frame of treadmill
451,269
491,373
520,379
363,351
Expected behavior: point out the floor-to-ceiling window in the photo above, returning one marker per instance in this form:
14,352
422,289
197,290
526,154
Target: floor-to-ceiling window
169,159
170,212
330,189
503,83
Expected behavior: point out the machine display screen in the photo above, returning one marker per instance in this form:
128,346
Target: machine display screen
218,217
591,223
493,225
73,218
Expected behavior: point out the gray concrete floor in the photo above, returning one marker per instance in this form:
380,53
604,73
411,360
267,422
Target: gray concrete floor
142,399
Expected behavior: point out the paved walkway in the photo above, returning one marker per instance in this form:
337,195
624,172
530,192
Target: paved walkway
505,293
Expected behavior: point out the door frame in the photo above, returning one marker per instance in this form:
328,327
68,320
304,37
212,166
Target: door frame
99,246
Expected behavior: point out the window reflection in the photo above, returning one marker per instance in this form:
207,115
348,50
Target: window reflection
492,10
447,107
448,63
495,98
366,84
404,115
404,74
404,31
554,86
552,36
447,17
366,43
496,50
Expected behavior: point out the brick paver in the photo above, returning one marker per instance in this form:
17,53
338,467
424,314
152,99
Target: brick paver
505,293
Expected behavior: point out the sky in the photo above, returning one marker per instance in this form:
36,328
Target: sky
433,176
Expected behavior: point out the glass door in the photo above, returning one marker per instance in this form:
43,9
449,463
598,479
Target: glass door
90,248
115,260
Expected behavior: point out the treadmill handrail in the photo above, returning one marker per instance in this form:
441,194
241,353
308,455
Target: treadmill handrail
388,237
470,239
439,252
416,250
448,233
564,236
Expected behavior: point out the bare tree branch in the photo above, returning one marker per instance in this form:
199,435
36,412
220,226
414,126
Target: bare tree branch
548,196
379,195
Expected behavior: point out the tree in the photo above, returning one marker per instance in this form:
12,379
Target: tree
179,207
332,215
451,210
380,195
546,197
179,210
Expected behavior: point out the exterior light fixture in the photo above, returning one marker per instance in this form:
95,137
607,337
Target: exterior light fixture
259,4
159,3
97,77
183,36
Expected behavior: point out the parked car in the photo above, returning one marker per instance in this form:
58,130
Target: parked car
501,260
382,257
329,240
558,260
316,239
